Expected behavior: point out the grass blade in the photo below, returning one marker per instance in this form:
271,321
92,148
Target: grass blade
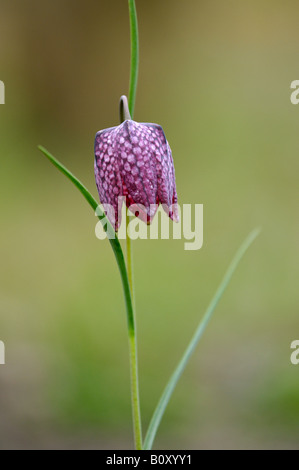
166,395
112,237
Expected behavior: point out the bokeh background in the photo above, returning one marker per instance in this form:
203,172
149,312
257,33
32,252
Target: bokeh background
216,75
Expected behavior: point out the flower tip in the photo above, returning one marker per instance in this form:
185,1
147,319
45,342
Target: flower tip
174,214
175,218
123,98
124,113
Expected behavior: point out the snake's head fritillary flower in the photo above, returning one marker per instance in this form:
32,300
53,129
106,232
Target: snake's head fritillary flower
133,161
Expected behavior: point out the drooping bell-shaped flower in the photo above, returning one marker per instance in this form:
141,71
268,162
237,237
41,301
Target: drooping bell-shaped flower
133,163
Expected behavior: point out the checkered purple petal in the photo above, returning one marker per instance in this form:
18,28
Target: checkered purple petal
134,160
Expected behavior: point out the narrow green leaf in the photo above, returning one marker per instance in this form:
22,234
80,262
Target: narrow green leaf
112,237
166,395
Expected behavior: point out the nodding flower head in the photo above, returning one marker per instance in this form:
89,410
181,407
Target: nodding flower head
133,163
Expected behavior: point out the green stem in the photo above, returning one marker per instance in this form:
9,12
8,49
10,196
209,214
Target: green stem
126,111
130,260
135,391
133,350
134,55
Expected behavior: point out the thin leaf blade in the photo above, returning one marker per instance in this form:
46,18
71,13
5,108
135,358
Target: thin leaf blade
112,237
169,389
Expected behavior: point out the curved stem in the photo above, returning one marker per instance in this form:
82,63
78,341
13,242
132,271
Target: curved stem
124,113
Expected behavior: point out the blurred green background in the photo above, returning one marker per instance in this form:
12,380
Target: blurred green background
216,75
